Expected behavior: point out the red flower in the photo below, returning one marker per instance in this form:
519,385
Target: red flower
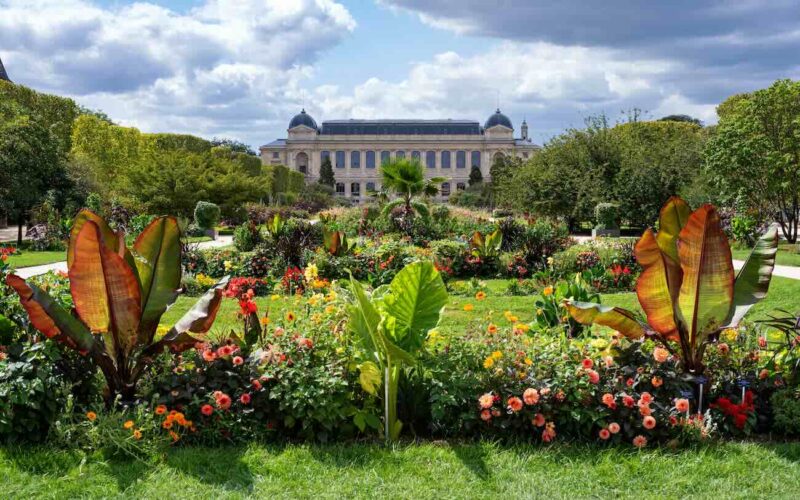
248,307
245,399
207,410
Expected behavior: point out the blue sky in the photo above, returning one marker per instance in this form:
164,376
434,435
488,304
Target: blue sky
242,68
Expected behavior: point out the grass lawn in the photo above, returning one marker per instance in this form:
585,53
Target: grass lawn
788,254
196,239
784,294
28,258
429,470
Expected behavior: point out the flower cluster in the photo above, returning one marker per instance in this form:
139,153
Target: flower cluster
738,413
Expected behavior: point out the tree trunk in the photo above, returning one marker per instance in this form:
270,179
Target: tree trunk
20,222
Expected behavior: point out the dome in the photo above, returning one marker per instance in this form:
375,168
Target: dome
498,118
303,119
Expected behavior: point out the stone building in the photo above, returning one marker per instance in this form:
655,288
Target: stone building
356,148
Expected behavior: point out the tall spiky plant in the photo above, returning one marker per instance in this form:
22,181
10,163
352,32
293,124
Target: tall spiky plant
405,178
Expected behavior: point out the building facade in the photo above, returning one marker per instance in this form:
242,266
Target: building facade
356,148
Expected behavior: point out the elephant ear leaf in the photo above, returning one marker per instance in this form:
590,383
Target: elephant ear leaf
113,240
105,290
158,259
673,217
653,287
754,277
198,320
615,318
47,316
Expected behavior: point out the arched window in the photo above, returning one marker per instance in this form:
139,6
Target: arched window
370,159
416,155
301,160
355,159
430,159
385,157
461,186
476,159
461,159
445,159
340,159
400,154
340,188
355,189
370,187
445,189
325,155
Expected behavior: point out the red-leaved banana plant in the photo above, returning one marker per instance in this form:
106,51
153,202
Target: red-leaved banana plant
687,288
120,295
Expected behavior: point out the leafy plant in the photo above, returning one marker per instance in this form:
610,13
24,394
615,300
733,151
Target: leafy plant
687,287
486,246
119,296
335,242
391,326
550,306
206,215
405,178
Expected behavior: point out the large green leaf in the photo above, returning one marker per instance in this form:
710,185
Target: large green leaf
158,259
363,320
415,299
673,216
652,287
616,318
753,279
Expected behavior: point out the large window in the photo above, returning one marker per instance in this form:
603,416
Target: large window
340,159
445,159
400,154
324,156
476,159
430,159
275,154
416,155
370,159
340,188
355,159
370,187
461,159
445,189
385,157
355,189
461,186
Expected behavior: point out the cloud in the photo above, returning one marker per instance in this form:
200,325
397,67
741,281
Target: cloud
205,71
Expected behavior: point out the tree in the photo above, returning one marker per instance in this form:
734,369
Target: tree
681,118
754,153
233,145
29,165
326,177
405,178
475,175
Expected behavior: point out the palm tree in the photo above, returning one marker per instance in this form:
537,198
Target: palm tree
406,179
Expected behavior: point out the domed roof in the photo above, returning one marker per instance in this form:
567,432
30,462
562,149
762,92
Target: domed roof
303,119
498,118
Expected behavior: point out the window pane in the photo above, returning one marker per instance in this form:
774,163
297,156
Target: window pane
323,155
476,159
340,159
370,159
445,159
370,187
415,155
446,189
355,159
400,154
355,189
461,186
461,159
384,157
340,188
430,159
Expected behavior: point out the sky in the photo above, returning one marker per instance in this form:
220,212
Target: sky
241,69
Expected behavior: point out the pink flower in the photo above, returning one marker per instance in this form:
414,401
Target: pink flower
682,405
207,410
486,400
223,401
486,415
640,441
256,384
608,400
538,420
238,361
530,396
604,434
209,356
594,377
613,427
245,399
628,401
649,422
660,354
587,363
514,404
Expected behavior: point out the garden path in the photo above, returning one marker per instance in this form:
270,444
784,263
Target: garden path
27,272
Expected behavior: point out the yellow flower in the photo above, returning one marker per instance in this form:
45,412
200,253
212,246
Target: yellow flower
497,354
528,361
161,330
488,362
480,295
290,316
128,424
264,321
317,284
539,311
228,265
547,291
330,309
331,296
311,273
468,307
730,334
521,327
549,261
137,434
275,296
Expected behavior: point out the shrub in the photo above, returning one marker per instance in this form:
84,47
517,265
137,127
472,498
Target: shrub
786,411
246,237
206,215
607,215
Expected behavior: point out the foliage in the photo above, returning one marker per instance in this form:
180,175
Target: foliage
786,408
206,215
405,178
335,242
246,237
326,177
606,215
754,153
688,290
551,310
121,294
475,175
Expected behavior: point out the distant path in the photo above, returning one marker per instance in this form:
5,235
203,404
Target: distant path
27,272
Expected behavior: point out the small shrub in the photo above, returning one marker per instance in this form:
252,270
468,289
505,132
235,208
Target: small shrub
607,215
206,215
786,411
246,237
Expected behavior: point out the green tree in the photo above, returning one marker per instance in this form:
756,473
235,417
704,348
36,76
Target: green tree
475,175
754,153
405,178
326,177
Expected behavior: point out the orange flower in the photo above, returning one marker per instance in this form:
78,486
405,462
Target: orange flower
128,424
514,404
480,295
613,427
548,290
763,374
174,435
486,415
209,355
657,381
167,424
530,396
161,409
645,410
492,328
608,400
290,316
264,321
538,420
660,354
468,307
646,398
486,400
137,434
640,441
604,434
92,416
682,405
649,422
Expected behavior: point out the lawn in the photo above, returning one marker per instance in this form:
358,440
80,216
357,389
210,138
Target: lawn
426,470
784,294
788,254
27,258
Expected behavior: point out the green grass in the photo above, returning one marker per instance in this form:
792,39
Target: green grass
27,258
196,239
788,254
428,470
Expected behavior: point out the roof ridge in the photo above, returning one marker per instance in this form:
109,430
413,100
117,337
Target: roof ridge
3,74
